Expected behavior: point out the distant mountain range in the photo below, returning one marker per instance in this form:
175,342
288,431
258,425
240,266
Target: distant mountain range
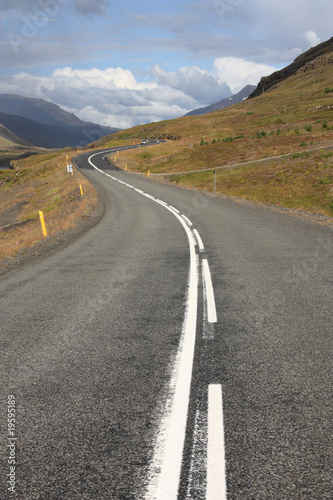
45,124
267,82
224,103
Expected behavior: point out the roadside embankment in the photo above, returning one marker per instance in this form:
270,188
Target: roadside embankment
42,183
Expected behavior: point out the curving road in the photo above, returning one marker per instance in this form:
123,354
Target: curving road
181,348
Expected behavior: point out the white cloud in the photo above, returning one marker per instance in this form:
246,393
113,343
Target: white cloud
111,77
276,28
311,38
240,72
114,97
196,83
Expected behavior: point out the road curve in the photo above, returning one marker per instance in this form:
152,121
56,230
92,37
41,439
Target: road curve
173,294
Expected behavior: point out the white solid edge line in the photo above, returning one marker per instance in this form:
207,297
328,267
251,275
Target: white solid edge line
216,469
199,240
167,461
209,291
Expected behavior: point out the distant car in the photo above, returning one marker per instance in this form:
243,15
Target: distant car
144,141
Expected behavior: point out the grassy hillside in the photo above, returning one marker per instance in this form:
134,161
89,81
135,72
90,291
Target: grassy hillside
40,183
294,118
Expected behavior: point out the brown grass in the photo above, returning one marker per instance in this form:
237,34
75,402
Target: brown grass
301,182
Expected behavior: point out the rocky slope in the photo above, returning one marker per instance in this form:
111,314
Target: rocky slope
267,82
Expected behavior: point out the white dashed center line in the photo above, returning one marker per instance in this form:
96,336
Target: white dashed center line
216,476
199,240
209,292
188,222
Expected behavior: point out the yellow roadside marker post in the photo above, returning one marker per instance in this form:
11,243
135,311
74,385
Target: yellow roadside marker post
81,190
148,173
126,166
42,221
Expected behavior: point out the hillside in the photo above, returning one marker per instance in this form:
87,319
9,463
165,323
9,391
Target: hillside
290,122
49,125
38,110
267,82
46,136
8,139
224,103
13,147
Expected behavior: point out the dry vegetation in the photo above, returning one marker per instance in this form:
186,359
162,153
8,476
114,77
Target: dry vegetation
303,181
40,183
294,118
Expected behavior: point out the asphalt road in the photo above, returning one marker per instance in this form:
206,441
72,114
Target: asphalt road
116,353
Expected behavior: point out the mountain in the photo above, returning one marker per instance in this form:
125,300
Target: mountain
224,103
267,82
38,110
13,147
8,139
47,125
42,135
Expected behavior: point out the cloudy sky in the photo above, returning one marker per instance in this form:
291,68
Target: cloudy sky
125,63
